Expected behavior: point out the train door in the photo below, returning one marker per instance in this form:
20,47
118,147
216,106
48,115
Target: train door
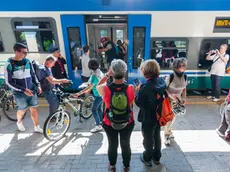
139,27
73,28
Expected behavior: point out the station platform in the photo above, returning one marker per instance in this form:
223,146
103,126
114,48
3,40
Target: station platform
196,147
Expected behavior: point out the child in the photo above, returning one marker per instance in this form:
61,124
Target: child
93,81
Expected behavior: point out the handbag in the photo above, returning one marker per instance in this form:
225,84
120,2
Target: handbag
210,67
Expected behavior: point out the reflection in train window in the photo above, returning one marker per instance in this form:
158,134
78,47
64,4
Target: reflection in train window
1,44
206,46
138,46
165,51
75,47
37,34
119,35
103,33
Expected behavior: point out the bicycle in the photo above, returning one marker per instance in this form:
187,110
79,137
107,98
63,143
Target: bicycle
60,120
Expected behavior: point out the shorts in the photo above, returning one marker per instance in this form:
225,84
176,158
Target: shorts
23,101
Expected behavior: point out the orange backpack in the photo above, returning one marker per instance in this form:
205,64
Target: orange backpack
164,110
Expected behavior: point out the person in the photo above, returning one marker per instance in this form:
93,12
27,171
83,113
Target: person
20,77
58,70
47,84
176,88
224,128
93,81
220,59
109,48
121,50
112,129
85,68
146,100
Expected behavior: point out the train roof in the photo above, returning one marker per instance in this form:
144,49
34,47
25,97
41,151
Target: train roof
115,5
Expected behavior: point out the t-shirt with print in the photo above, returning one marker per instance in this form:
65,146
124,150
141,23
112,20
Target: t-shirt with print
94,79
177,85
45,84
218,68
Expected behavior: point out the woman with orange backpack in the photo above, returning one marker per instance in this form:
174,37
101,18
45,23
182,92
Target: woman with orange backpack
146,100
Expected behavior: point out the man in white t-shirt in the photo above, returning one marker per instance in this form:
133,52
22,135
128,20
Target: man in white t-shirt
86,72
220,59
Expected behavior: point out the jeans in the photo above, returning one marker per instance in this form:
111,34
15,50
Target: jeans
52,100
97,111
216,86
112,136
151,142
23,101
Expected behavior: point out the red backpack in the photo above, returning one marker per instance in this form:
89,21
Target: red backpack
164,110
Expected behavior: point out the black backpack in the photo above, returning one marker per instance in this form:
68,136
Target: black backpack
119,112
37,69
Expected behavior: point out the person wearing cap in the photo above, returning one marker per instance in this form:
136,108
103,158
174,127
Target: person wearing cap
109,48
20,77
47,84
58,70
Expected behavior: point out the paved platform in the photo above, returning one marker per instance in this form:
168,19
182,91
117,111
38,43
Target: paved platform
196,148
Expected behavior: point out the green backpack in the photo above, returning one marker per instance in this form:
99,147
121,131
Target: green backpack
119,112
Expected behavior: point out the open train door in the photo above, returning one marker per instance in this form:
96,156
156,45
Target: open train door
139,27
73,28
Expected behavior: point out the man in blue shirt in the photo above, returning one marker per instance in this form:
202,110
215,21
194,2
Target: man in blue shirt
47,83
20,77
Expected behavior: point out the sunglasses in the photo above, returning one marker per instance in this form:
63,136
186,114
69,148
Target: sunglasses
24,52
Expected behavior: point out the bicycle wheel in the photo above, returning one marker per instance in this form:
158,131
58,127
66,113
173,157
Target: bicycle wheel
9,108
56,125
86,106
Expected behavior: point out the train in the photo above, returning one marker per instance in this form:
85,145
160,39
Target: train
187,29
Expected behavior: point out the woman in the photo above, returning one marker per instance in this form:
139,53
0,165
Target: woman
220,59
146,100
124,124
176,88
93,81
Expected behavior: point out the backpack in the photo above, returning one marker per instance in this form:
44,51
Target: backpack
37,69
163,109
119,112
172,77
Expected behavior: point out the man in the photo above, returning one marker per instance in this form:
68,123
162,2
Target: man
58,70
20,76
86,72
109,48
47,84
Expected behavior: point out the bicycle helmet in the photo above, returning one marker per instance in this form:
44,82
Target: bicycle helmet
103,39
178,108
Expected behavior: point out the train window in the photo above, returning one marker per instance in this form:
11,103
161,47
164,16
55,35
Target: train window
103,33
165,51
1,44
138,46
206,46
120,35
75,46
37,34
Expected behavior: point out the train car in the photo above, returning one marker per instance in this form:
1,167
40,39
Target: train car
181,28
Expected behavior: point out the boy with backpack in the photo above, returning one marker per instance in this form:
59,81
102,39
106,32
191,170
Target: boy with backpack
176,89
47,81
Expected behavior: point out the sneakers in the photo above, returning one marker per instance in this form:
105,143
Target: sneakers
147,163
167,141
227,137
112,168
96,129
216,100
21,126
38,129
219,133
210,97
